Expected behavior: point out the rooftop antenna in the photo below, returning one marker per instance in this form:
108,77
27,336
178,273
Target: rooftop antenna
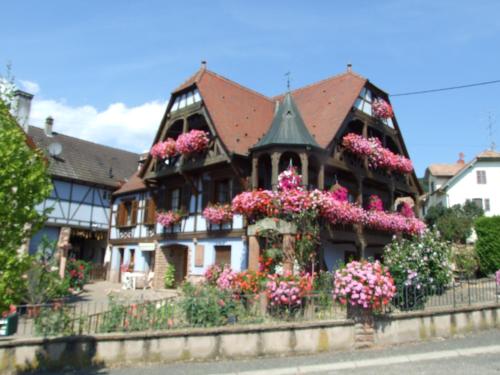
491,121
287,74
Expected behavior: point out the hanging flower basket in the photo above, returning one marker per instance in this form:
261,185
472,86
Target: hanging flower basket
192,142
169,218
163,150
218,213
381,109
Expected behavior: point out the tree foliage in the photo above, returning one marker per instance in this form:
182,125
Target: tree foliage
24,184
454,223
488,244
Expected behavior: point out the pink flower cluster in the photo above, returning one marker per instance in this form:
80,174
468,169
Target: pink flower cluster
212,274
406,210
186,143
226,278
255,203
382,109
331,205
378,156
192,141
287,290
365,284
375,203
289,179
218,213
168,218
163,150
394,222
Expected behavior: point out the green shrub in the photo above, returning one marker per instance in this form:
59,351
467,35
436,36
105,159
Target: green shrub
420,266
55,321
466,262
488,244
207,306
169,278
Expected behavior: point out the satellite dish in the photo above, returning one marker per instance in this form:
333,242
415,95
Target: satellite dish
55,149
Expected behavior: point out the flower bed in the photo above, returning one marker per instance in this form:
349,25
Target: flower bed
364,284
218,213
255,204
382,109
168,218
378,156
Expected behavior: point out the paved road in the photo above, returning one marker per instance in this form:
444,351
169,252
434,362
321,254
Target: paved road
472,354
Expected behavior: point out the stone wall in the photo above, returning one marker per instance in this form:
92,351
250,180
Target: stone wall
235,342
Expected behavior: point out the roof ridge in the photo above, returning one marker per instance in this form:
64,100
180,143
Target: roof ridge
322,81
234,83
86,141
194,78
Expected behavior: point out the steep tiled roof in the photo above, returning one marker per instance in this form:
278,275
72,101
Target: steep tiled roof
445,170
242,116
489,154
86,161
134,183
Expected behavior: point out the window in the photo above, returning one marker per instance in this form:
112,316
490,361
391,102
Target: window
481,177
175,199
127,213
478,202
222,192
364,101
223,255
486,204
185,100
150,211
433,187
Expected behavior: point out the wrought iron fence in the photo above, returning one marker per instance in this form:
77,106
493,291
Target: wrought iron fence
209,311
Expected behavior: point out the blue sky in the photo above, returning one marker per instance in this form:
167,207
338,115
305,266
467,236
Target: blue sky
104,69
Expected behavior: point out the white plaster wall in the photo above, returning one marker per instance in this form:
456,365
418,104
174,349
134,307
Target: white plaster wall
466,187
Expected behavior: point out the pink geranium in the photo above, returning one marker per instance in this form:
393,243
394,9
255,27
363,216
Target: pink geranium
289,179
382,109
192,141
168,218
163,150
375,203
218,213
406,210
340,193
364,284
378,156
226,278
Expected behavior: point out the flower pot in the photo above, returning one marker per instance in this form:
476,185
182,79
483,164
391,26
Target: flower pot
8,325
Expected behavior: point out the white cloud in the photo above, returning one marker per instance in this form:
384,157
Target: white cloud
129,128
31,87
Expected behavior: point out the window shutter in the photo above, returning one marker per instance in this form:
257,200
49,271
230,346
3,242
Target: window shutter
478,177
151,211
119,214
133,219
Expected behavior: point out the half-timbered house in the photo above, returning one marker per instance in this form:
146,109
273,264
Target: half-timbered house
84,176
252,139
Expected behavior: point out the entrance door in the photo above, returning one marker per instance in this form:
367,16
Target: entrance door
177,255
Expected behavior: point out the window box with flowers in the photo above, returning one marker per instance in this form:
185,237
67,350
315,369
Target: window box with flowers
194,141
169,219
218,215
382,109
377,155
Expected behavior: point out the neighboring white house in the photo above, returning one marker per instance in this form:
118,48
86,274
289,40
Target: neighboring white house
477,181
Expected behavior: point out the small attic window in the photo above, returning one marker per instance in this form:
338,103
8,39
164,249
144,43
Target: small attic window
364,101
185,100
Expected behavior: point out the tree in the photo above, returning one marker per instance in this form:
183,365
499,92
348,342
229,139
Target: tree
454,223
24,184
488,244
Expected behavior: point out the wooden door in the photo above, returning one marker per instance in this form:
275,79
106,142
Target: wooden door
178,257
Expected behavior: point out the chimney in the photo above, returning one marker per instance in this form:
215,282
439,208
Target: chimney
349,67
203,65
461,158
22,108
49,124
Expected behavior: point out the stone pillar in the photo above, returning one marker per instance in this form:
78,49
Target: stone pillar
304,161
364,332
288,252
417,206
253,253
185,128
255,173
63,245
321,177
275,160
